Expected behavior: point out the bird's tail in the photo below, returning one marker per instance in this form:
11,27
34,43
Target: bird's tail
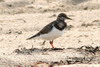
32,37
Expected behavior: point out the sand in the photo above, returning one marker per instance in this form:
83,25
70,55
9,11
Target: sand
17,23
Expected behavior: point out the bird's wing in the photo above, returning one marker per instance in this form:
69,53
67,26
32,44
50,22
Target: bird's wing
45,30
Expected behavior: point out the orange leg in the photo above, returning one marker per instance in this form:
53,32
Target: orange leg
51,43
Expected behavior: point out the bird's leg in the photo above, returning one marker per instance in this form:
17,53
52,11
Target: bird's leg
51,43
43,43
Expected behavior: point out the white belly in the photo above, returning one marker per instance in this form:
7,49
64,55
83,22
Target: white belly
53,34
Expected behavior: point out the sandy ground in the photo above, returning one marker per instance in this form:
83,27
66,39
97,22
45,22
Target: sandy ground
15,28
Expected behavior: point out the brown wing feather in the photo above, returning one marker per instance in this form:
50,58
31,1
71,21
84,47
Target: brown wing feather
45,30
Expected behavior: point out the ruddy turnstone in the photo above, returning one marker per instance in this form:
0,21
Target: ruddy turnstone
52,30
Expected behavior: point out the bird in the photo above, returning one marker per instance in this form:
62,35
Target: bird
52,30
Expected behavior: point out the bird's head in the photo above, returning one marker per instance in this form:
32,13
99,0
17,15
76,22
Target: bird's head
63,16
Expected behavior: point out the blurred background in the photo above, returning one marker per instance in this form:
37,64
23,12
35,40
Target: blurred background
29,6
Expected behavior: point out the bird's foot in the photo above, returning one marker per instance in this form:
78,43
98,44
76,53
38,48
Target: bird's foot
51,43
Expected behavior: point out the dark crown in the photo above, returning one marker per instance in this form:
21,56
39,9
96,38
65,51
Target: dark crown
64,16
